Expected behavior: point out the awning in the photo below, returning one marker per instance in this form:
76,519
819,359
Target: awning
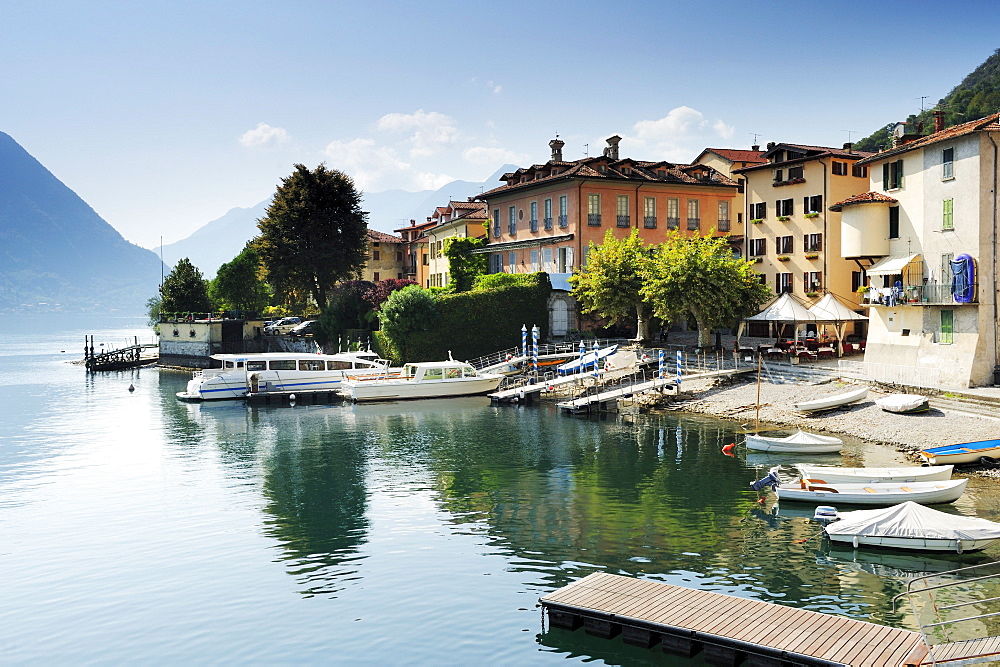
891,266
526,243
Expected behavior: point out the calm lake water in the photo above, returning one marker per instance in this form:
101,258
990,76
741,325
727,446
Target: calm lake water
137,528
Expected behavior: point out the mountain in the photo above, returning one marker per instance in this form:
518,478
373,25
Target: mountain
57,253
219,241
977,96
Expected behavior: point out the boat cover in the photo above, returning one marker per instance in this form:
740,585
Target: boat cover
803,438
913,520
900,402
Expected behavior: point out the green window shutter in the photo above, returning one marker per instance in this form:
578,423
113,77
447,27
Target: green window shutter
947,326
885,176
948,217
899,173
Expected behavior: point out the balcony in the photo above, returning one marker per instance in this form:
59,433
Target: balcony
673,223
694,223
409,269
919,295
723,226
623,220
534,224
548,223
563,221
594,219
649,222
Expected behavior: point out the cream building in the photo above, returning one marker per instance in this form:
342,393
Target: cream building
459,219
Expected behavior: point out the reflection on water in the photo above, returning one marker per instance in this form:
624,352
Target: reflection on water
437,524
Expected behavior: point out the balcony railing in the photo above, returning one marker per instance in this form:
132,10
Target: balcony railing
649,222
594,219
673,223
694,223
534,224
623,220
548,223
564,221
723,226
921,295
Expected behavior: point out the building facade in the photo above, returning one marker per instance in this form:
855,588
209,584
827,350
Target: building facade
459,219
926,234
416,255
386,257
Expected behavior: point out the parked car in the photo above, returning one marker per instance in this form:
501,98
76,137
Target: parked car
307,328
283,326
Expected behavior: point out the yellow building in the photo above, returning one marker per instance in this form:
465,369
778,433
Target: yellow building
459,219
385,257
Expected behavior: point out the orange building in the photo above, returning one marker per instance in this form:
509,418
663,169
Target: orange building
545,216
416,258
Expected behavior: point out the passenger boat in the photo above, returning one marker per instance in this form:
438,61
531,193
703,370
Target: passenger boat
904,404
910,525
834,474
279,371
965,452
877,493
830,402
797,443
427,379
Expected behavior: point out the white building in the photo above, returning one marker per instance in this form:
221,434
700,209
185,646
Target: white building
927,227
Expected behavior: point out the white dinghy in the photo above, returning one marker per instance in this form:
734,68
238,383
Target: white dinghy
834,474
913,526
831,402
797,443
878,493
903,404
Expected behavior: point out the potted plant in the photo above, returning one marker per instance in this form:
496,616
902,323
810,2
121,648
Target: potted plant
783,258
812,295
811,215
756,221
784,218
812,255
758,260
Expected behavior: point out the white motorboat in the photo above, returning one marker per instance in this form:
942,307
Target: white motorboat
835,474
877,493
279,372
830,402
427,379
910,525
903,403
797,443
965,452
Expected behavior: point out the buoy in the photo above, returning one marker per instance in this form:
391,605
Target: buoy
761,500
131,388
728,449
291,397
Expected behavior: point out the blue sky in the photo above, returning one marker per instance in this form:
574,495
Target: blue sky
163,116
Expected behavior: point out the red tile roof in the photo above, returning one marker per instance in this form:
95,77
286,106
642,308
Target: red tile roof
737,155
811,153
987,124
382,237
864,198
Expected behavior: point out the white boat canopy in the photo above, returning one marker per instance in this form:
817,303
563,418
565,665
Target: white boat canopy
829,310
912,520
891,266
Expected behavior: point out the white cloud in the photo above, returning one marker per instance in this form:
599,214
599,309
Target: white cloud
495,87
723,130
678,136
429,131
492,156
264,135
427,181
367,163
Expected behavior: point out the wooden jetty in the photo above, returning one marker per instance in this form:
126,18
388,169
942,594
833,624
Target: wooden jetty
730,629
114,360
306,397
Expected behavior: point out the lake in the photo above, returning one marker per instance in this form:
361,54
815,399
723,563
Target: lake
138,528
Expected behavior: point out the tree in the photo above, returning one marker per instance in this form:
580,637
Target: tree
464,266
184,290
314,234
407,313
700,275
238,284
346,309
610,284
378,294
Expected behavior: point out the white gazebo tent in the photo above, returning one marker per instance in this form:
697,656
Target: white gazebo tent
786,309
829,310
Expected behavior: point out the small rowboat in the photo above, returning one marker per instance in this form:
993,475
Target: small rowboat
879,493
913,526
834,474
904,404
797,443
965,452
830,402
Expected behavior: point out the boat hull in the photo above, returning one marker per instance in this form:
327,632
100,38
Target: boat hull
966,452
925,493
794,444
394,390
832,474
913,543
830,402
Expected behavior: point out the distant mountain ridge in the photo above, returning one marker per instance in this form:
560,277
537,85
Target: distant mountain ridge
220,240
977,96
57,253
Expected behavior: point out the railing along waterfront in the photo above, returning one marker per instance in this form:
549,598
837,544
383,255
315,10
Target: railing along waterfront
921,295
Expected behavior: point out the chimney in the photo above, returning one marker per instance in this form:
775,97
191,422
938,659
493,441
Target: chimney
770,145
938,121
755,148
557,145
848,146
612,149
412,223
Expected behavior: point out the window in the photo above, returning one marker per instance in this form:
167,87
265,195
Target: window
948,163
511,260
892,175
594,210
948,214
947,327
548,214
812,204
813,242
859,172
564,260
783,245
511,220
839,168
425,262
375,276
758,211
547,259
399,256
783,283
779,175
622,218
757,247
858,278
312,365
694,219
563,211
496,222
253,365
673,213
795,172
894,222
534,259
649,212
783,207
375,255
813,281
534,216
946,260
282,365
723,225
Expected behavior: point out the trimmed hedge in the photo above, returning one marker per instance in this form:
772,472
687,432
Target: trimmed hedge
477,323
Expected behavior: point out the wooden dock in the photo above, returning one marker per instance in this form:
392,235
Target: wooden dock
727,628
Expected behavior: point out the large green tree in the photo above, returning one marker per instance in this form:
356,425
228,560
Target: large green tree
314,234
464,266
406,314
238,284
610,284
184,290
347,309
700,276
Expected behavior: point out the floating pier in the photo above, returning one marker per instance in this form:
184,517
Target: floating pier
115,360
726,628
